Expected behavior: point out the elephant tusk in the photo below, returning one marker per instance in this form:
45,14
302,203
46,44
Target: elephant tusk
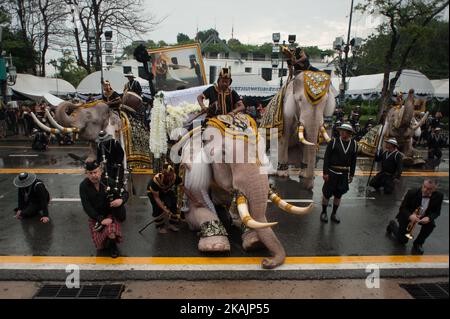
43,126
421,122
277,200
59,127
301,136
325,134
242,206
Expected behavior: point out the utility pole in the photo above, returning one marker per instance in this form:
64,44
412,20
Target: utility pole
345,66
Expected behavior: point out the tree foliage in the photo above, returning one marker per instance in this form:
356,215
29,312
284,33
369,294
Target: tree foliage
405,25
69,70
24,56
429,56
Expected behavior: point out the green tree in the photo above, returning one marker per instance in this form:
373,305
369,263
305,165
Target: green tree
183,39
202,36
429,56
21,50
405,21
69,70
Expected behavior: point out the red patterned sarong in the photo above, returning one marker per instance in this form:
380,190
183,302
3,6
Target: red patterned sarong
99,238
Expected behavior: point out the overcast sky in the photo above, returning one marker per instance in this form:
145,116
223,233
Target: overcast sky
315,22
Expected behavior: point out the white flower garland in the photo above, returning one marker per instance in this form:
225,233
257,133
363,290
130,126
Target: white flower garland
165,120
158,134
177,116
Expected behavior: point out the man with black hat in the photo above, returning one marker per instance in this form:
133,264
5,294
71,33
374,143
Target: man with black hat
110,153
105,207
132,85
222,99
338,170
391,167
160,191
33,197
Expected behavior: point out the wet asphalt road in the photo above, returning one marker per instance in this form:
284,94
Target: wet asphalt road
361,233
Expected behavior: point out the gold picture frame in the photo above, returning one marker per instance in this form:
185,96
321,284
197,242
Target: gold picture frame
178,67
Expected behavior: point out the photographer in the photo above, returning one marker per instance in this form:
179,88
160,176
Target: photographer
104,204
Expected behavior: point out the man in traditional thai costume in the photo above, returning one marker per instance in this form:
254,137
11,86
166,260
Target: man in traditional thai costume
222,99
338,170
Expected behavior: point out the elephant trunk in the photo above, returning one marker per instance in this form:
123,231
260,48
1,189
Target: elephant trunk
61,116
254,185
407,112
311,122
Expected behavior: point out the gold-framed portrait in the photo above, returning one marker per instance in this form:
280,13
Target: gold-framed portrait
178,67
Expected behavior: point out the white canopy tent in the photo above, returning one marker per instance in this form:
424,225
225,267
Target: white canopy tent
38,88
370,86
92,83
441,89
189,96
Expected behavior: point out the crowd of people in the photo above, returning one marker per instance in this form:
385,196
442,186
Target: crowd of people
103,197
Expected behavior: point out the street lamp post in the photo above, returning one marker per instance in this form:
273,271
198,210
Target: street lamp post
277,55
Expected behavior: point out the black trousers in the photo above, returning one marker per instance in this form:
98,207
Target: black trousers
434,153
399,231
170,201
384,180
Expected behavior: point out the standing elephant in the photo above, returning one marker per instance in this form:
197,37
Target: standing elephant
222,168
307,100
403,126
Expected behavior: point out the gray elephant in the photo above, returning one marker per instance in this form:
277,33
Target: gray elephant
225,168
307,100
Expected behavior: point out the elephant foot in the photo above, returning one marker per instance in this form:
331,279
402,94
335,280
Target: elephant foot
250,241
214,244
271,263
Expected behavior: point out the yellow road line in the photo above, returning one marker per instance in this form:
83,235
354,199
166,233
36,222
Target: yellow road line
219,260
150,171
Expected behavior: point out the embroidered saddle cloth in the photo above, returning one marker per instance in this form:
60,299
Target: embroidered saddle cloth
238,126
316,86
369,143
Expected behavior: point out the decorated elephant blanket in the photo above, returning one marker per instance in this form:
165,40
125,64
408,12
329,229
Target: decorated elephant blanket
136,142
241,126
369,143
316,86
273,117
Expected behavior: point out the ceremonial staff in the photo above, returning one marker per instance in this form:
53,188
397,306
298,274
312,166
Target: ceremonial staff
376,152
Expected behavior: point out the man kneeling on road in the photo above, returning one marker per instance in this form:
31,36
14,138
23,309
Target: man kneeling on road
426,202
33,197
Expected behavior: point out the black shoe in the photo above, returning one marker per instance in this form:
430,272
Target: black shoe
113,250
335,219
417,248
324,218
